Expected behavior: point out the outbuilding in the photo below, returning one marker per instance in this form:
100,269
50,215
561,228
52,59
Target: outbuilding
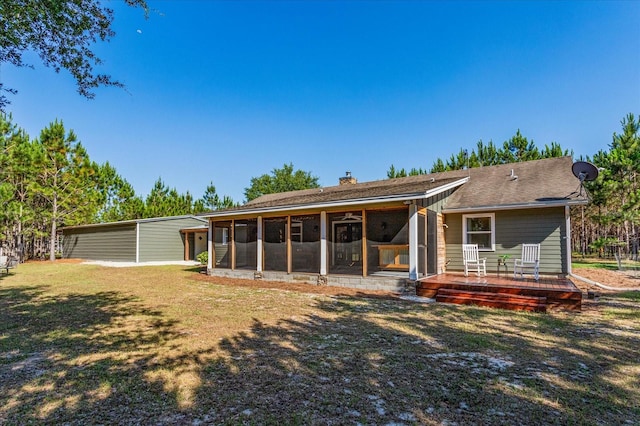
141,240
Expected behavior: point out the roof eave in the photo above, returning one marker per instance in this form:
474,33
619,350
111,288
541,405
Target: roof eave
345,203
134,221
517,206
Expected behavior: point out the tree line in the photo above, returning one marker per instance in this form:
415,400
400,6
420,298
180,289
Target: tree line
610,223
517,148
50,181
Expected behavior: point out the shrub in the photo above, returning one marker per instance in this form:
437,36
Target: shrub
203,257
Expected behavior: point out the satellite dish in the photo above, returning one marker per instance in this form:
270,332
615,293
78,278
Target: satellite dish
584,171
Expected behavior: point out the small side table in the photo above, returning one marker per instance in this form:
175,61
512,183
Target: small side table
503,264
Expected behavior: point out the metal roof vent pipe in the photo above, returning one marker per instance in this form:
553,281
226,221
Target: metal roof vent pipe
513,175
348,179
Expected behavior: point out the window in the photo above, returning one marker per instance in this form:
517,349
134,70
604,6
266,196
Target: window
296,231
479,229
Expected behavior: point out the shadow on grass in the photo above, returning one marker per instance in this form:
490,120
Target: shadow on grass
200,269
105,358
62,357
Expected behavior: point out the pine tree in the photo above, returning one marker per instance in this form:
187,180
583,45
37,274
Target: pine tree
64,181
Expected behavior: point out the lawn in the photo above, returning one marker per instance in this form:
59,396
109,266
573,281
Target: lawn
84,344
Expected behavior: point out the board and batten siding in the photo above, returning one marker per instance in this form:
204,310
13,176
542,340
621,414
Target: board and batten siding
113,243
437,202
544,226
161,240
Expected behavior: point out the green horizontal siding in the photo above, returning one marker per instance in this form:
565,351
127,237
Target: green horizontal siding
544,226
116,243
162,241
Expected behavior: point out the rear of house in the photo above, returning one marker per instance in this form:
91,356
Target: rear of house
382,234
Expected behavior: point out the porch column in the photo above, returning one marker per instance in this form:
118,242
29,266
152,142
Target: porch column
364,243
323,243
259,246
210,253
186,245
413,241
233,244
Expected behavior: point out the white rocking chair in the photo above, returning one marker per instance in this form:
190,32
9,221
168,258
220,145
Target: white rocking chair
472,261
530,260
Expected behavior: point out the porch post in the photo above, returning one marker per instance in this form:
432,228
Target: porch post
210,252
186,245
323,243
364,243
232,235
413,241
259,246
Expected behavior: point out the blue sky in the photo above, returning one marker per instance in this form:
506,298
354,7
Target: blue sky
225,91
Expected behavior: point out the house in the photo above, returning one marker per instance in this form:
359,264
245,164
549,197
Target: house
385,234
141,240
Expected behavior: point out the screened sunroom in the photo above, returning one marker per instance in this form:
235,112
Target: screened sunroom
369,242
375,235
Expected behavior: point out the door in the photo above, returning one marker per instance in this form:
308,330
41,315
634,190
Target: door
348,244
192,246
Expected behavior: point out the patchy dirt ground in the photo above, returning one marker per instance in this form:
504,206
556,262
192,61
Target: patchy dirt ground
298,287
619,279
167,345
610,278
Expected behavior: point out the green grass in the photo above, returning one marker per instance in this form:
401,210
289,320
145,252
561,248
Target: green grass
630,295
161,345
607,264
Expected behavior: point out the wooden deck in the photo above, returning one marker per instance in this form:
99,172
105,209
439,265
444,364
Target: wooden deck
502,292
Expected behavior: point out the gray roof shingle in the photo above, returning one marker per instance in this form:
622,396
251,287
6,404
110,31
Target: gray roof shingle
538,183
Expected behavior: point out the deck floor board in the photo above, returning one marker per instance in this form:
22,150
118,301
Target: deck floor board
559,292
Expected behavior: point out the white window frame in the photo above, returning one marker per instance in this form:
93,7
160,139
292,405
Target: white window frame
492,217
296,231
225,236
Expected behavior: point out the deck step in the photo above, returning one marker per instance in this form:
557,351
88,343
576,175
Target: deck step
495,300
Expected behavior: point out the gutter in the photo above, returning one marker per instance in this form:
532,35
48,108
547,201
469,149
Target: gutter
513,206
606,287
340,203
135,221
